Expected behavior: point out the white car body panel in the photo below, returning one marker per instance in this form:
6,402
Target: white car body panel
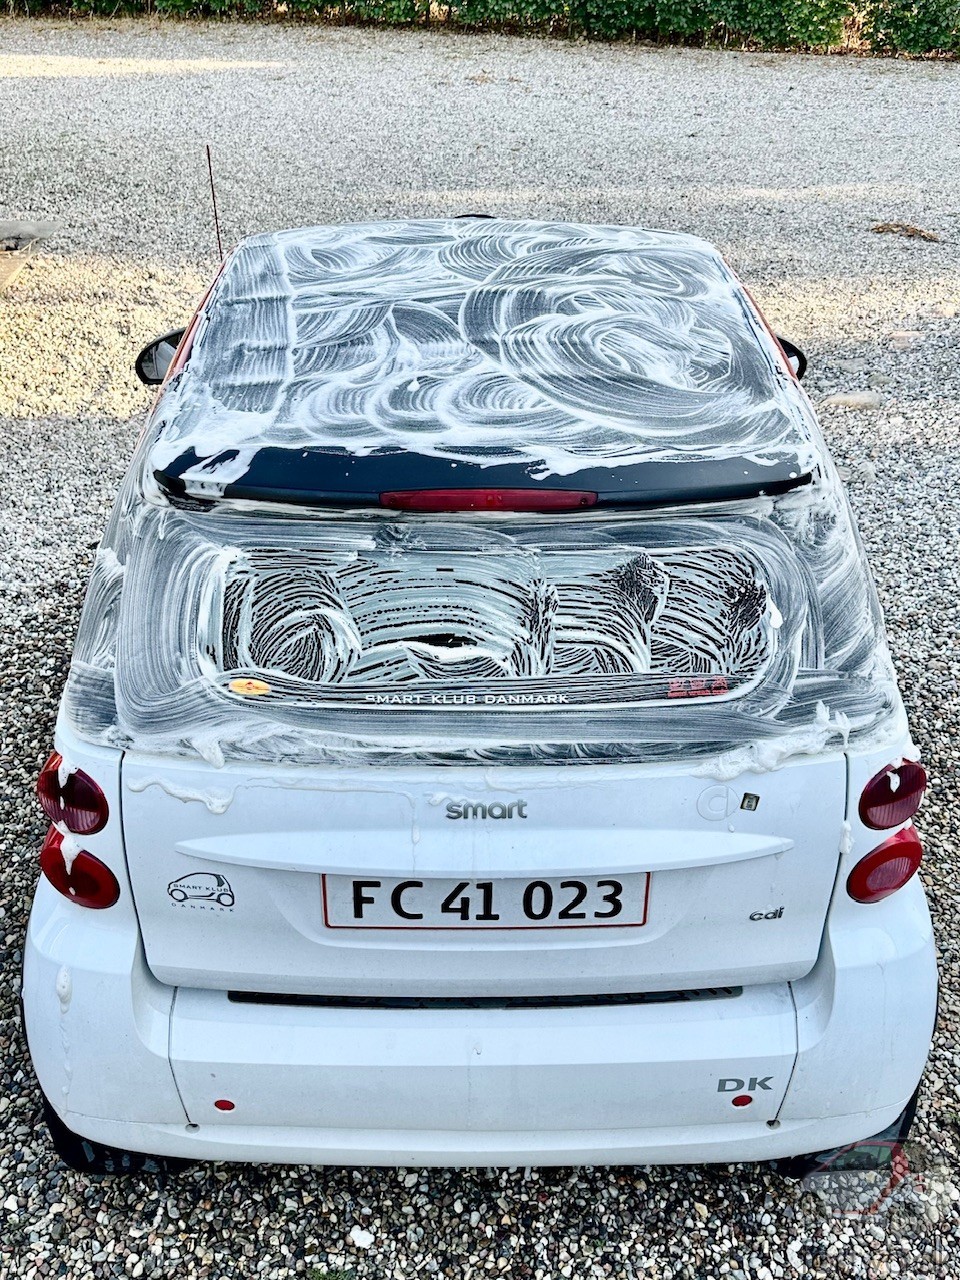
138,1063
283,828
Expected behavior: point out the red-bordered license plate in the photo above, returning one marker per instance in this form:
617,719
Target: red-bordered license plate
567,902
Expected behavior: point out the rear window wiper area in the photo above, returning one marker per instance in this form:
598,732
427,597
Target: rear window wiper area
396,479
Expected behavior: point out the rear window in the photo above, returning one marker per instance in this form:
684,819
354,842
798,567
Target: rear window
495,625
445,640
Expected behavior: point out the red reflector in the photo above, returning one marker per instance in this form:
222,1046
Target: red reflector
893,795
224,1104
487,499
887,868
78,803
742,1100
88,882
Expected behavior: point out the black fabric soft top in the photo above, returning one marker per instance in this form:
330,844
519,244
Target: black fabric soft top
333,364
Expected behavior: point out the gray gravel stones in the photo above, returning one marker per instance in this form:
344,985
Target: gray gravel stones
786,162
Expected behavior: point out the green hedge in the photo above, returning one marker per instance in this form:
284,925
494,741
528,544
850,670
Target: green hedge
914,26
886,26
788,23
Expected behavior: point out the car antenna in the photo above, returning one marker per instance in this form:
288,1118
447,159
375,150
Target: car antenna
213,197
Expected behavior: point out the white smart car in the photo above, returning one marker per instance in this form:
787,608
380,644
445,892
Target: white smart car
480,746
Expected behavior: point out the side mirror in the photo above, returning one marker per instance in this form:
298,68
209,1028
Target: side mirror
157,356
798,361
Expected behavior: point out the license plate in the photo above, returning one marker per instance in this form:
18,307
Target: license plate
572,902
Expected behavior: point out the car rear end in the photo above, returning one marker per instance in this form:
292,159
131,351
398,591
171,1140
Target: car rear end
524,955
746,1007
465,823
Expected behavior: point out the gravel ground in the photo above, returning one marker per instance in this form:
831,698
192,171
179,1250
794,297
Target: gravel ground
786,162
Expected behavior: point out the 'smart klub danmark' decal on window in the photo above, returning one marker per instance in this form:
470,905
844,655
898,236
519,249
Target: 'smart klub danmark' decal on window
683,687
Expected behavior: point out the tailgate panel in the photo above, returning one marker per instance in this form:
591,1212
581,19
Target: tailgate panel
226,869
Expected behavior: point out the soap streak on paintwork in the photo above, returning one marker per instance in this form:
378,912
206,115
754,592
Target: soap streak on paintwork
549,344
218,802
763,756
215,801
63,987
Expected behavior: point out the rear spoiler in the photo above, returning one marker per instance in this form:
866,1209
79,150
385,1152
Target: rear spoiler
336,478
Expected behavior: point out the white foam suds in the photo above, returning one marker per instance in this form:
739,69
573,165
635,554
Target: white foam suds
550,344
216,801
69,847
722,630
64,988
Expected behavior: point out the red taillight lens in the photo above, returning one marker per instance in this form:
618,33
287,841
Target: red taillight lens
88,882
887,868
78,803
893,795
487,499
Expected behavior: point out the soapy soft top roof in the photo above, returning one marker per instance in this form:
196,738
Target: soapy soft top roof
553,346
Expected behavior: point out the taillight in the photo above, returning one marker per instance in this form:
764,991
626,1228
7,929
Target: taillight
487,499
82,878
887,868
76,802
893,795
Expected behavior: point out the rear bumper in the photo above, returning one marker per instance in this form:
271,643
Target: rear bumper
827,1060
705,1144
